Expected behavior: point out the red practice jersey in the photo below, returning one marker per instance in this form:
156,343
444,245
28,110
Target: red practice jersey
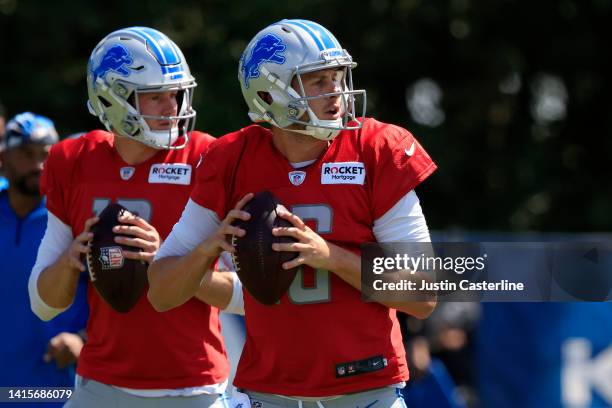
314,341
141,349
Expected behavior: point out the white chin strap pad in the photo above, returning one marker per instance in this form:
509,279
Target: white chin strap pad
161,138
321,129
317,132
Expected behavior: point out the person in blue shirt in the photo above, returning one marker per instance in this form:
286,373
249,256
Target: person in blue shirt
32,352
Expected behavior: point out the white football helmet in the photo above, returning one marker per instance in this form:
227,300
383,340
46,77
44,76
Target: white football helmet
280,53
135,60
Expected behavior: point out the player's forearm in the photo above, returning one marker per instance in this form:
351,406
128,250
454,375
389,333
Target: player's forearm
420,310
175,280
347,266
216,289
58,282
426,302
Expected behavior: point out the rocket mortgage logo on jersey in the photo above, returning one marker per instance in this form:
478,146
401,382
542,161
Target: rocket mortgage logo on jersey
177,173
343,173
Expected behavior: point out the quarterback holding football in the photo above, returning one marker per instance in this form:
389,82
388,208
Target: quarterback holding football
140,88
345,180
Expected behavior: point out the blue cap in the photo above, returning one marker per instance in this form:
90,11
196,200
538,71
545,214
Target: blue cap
27,128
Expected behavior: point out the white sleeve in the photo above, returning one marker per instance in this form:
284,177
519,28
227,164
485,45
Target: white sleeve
404,222
57,238
236,303
195,225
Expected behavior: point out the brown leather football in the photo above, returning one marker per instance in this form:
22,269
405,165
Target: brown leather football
259,267
118,280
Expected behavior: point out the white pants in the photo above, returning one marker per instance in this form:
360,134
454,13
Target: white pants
94,394
386,397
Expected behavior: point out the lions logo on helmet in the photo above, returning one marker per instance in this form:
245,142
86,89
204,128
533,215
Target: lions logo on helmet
115,59
268,48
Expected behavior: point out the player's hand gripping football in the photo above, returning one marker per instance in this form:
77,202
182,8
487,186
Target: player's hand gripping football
141,235
218,241
313,250
79,246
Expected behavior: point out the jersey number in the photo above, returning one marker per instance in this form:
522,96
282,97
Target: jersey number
299,294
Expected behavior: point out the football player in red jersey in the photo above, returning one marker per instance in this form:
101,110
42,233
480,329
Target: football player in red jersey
140,88
347,180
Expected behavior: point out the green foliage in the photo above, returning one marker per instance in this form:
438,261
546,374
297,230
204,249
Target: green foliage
501,167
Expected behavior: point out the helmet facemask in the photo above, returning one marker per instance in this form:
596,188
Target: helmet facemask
321,128
182,124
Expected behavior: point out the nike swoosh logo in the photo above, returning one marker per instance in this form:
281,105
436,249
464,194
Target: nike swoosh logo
409,153
370,404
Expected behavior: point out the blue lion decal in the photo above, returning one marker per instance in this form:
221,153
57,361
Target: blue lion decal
267,49
117,59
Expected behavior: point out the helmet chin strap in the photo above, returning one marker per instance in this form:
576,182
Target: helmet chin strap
159,138
319,128
318,132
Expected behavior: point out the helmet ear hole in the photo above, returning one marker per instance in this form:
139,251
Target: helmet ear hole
104,101
266,97
131,99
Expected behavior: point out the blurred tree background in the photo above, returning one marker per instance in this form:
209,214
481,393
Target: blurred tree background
510,97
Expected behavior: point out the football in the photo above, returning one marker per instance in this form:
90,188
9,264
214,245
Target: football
118,280
260,268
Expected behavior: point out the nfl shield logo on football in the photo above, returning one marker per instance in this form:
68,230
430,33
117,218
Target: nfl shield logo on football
341,371
126,172
297,177
111,257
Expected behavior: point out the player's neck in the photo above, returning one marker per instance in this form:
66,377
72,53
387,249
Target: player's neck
133,152
22,204
297,147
